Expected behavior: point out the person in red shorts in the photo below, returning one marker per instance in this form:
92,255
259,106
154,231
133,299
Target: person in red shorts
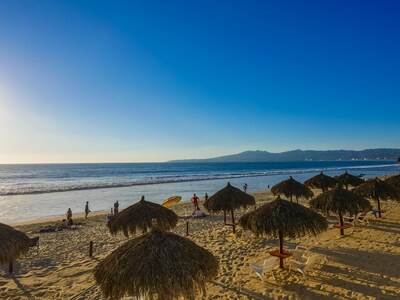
195,201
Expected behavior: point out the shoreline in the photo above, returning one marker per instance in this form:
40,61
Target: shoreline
57,218
81,215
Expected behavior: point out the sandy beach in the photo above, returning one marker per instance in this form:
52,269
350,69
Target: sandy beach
364,264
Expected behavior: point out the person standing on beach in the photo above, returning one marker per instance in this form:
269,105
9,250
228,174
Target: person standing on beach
195,201
87,210
245,187
206,197
69,214
116,207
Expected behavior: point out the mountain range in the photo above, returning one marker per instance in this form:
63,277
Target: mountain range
304,155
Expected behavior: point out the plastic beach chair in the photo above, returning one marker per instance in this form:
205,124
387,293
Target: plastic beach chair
269,264
361,217
302,267
300,253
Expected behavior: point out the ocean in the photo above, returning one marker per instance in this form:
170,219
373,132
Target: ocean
29,192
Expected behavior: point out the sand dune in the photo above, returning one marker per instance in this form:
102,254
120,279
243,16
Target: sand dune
362,265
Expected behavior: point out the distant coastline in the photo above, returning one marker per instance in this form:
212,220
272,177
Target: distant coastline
380,154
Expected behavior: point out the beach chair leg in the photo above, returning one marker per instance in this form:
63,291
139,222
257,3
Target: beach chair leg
301,271
273,276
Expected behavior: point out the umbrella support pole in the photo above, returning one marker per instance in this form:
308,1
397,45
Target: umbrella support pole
10,266
341,224
233,224
379,207
187,228
90,248
281,249
233,221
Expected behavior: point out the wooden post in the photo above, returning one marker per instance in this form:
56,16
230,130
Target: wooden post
10,266
280,249
233,221
379,207
90,248
341,224
187,228
224,217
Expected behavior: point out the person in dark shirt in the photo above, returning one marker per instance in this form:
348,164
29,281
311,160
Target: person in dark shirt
87,210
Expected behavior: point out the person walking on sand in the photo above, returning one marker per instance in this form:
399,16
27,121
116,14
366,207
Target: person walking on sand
195,201
69,214
245,187
87,210
116,207
206,197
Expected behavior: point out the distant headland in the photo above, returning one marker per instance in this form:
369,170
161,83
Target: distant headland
385,154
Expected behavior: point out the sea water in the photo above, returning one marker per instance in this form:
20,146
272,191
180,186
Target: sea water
29,192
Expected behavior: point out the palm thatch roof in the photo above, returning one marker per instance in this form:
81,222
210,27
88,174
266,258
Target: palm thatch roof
321,181
378,190
159,264
347,179
292,219
13,243
281,218
340,201
394,181
291,187
139,216
229,198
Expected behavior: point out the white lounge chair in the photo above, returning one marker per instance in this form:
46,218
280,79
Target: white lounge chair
361,217
300,253
269,264
302,267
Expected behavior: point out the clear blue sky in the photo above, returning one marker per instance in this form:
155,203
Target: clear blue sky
87,81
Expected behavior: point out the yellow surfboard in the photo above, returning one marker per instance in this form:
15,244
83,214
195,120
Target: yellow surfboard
171,201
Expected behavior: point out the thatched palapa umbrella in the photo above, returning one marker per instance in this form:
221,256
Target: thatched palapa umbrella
290,188
229,199
281,218
13,243
340,201
347,179
139,216
394,181
321,181
378,190
159,264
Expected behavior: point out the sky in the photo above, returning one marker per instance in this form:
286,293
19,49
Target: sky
148,81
